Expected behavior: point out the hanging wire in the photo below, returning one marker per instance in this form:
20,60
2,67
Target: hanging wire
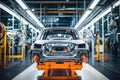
84,5
76,11
0,15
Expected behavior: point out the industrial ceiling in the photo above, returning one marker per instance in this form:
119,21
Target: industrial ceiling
55,13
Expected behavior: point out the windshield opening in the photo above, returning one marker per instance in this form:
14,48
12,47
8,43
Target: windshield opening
59,35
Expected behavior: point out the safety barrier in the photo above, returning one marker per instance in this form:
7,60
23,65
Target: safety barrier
98,56
11,53
3,43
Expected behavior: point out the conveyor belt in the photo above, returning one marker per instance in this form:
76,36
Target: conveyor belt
89,73
31,73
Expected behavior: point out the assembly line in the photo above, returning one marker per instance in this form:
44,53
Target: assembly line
59,40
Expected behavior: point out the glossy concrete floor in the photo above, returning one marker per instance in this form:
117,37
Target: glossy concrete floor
109,68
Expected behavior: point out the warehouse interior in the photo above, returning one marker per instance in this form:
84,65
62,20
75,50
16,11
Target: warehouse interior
97,23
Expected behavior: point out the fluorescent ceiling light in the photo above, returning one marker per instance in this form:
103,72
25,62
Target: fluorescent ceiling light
17,16
83,18
12,13
117,3
95,2
101,15
34,18
33,9
8,10
85,15
97,18
21,3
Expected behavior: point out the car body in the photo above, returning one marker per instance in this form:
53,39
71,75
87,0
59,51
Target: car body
61,43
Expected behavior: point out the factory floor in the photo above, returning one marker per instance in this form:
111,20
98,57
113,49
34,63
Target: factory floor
109,68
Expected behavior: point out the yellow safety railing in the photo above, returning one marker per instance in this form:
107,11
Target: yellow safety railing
97,55
10,55
3,43
106,50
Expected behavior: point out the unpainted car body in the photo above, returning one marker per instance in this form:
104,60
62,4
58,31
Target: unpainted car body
59,44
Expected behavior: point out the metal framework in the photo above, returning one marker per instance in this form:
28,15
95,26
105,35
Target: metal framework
52,70
9,56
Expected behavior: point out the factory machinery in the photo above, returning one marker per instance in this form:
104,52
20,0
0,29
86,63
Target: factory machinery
59,70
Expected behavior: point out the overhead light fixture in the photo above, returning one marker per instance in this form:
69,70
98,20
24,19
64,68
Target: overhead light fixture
43,20
8,10
86,14
33,9
117,3
17,16
97,18
83,18
22,4
94,3
34,18
11,12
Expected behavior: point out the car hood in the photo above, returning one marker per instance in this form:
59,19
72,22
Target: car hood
59,41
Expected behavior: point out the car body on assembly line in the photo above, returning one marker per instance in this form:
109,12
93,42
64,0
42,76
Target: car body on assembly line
58,44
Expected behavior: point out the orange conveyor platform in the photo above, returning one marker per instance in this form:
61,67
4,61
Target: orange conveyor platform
59,71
